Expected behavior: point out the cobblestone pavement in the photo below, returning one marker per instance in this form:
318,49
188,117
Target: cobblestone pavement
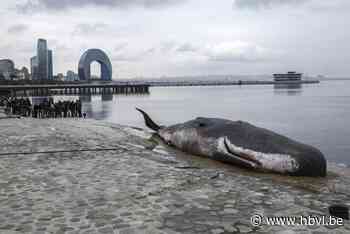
85,176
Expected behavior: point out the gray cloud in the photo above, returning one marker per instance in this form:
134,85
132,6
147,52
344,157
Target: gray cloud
83,29
123,53
237,51
17,28
121,46
167,46
150,50
187,47
34,5
125,58
262,4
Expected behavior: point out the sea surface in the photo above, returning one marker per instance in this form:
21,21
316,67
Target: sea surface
316,114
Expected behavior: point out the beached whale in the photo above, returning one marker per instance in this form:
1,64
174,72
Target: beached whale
242,144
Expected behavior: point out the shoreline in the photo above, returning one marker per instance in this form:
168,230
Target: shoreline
3,116
135,185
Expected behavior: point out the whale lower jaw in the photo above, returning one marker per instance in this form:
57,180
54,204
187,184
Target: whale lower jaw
280,163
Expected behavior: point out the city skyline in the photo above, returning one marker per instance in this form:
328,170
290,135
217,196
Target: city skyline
178,38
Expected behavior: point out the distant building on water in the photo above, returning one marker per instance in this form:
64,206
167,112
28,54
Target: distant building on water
290,76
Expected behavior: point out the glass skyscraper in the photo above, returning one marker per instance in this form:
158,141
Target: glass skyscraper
34,67
42,63
42,56
50,65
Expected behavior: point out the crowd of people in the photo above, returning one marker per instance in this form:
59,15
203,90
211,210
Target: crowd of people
45,109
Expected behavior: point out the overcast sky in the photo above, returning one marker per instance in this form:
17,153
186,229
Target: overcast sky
153,38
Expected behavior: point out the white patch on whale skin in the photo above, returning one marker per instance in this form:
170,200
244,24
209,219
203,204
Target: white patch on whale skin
281,163
180,137
183,137
166,135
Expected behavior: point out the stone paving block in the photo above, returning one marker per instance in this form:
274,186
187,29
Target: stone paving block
53,188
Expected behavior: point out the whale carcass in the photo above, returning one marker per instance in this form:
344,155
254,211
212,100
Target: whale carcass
242,144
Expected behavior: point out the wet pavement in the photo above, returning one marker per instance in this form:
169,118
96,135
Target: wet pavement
85,176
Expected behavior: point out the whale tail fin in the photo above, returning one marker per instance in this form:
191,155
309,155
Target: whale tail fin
149,122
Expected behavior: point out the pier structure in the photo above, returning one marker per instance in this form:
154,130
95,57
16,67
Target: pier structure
74,89
226,83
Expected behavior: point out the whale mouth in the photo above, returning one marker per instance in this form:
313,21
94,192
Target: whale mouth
245,159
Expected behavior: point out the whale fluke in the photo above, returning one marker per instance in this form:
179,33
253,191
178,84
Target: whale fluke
149,122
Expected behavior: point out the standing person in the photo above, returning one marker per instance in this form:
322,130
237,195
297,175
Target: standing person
65,109
28,107
35,111
8,106
79,108
73,108
60,109
52,110
40,114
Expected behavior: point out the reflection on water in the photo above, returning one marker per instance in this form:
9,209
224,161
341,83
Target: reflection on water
85,98
107,97
100,111
288,89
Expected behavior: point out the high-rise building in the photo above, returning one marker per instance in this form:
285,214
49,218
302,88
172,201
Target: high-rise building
9,72
50,65
60,76
7,69
72,76
34,68
42,56
25,71
42,63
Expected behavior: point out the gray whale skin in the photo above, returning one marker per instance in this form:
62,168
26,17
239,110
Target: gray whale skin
242,144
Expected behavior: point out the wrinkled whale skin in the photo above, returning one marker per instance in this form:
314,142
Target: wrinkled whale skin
243,144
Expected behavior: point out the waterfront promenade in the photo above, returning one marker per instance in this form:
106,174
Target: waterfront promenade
85,176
